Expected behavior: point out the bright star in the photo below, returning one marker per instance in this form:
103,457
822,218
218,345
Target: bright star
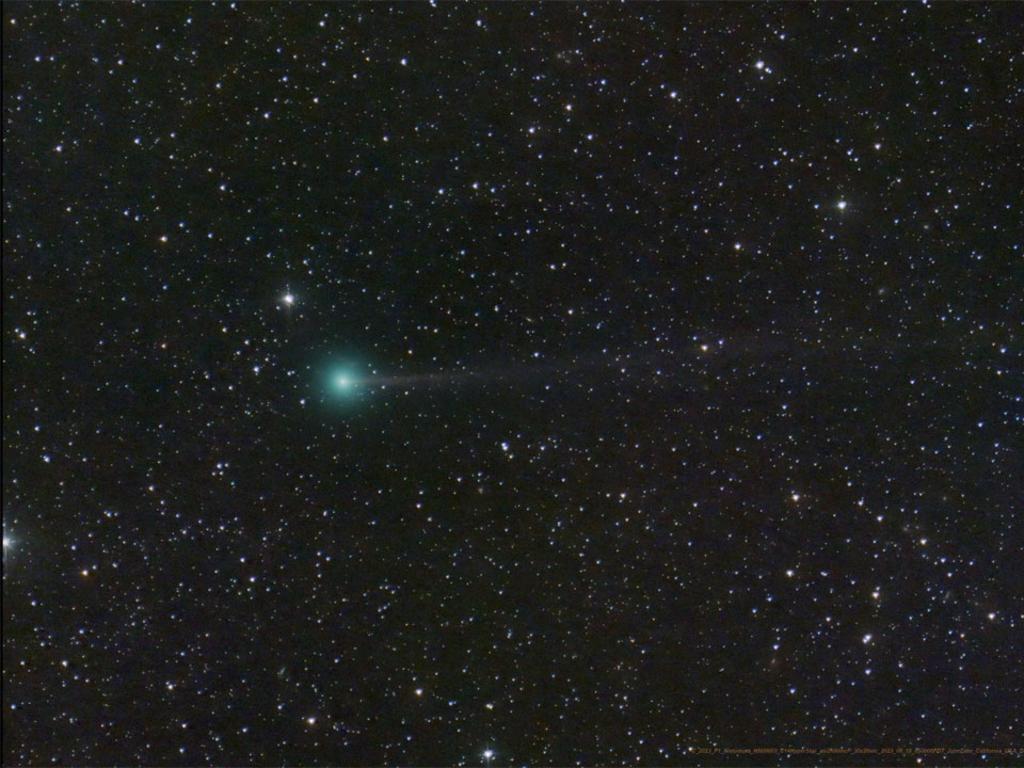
288,299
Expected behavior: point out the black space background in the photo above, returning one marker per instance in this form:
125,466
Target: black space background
655,447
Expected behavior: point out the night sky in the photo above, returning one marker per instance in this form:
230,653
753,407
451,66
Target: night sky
512,384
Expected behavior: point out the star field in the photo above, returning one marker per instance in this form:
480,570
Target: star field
512,384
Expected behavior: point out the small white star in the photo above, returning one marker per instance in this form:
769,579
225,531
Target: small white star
288,299
841,205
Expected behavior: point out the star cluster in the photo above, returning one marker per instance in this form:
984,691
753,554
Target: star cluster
497,384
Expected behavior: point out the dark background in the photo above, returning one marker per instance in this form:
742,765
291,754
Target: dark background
655,446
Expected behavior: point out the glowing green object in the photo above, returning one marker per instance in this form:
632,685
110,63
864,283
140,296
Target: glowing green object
343,382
